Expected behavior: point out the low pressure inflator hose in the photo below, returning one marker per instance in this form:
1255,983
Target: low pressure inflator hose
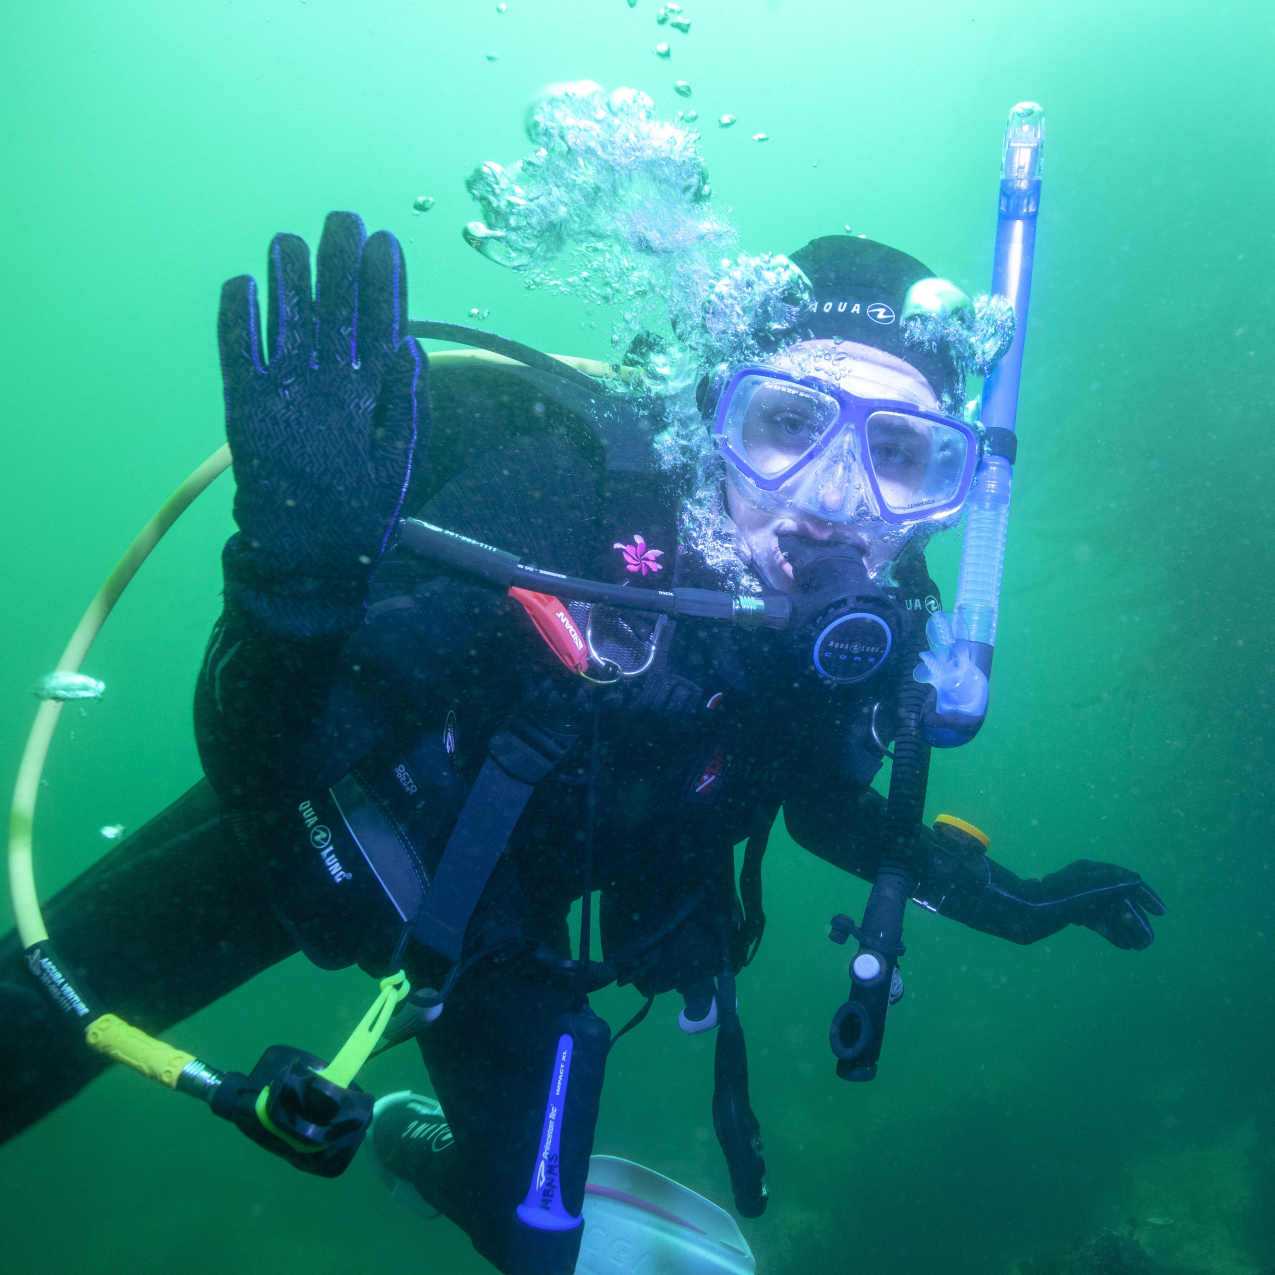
107,1033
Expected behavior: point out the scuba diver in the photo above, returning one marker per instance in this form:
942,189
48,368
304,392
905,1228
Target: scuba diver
412,766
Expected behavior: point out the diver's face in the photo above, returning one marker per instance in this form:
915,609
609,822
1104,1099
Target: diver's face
868,373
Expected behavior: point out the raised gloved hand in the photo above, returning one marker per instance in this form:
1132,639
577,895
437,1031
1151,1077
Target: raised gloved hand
323,436
1110,900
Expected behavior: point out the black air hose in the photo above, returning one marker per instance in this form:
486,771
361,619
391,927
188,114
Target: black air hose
859,1025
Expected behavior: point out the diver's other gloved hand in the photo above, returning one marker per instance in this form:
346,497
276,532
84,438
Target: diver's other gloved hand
974,889
323,435
1110,900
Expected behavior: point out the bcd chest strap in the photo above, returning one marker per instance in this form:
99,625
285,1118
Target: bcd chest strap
520,754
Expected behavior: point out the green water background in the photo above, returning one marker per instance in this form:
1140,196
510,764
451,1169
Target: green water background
1027,1097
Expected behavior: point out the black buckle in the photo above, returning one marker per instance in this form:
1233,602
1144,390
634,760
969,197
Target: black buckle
843,927
527,752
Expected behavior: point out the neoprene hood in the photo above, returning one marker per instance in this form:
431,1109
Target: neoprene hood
859,289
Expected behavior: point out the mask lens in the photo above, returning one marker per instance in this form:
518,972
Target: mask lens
773,424
918,464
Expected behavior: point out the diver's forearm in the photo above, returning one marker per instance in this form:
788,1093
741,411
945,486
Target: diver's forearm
290,604
976,890
981,893
258,703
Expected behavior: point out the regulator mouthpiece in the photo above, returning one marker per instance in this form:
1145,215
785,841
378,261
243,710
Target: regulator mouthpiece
841,620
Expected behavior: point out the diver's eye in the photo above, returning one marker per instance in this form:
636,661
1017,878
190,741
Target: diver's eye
779,423
792,425
891,455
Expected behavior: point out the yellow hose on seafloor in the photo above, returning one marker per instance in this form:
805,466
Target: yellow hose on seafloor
26,903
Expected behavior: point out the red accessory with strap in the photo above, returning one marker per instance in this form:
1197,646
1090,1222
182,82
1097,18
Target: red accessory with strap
555,626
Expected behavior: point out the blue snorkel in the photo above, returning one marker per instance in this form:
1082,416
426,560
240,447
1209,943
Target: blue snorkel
959,662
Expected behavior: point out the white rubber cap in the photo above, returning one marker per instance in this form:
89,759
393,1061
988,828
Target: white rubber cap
866,967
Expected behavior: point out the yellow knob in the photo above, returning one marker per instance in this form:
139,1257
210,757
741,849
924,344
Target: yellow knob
966,828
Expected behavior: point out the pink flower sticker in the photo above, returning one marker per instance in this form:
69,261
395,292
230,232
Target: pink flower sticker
637,557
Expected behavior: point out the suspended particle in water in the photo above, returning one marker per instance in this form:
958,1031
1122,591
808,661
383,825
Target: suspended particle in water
661,17
672,8
691,116
502,8
62,685
112,831
761,137
632,4
681,24
473,314
422,203
682,88
661,50
493,57
725,121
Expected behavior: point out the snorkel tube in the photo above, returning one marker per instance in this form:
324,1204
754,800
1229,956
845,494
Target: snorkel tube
959,662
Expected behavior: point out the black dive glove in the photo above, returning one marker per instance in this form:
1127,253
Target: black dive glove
323,436
969,887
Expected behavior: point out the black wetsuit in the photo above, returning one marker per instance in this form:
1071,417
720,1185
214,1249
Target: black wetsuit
694,756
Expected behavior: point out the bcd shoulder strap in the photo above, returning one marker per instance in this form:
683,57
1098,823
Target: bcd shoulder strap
520,754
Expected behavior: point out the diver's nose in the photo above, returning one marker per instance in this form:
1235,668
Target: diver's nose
841,484
832,491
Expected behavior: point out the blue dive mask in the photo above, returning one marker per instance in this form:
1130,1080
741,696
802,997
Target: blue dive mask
806,443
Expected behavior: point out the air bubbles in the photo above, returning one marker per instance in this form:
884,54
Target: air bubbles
476,313
61,685
612,206
422,203
761,137
662,50
682,88
725,121
502,8
691,116
112,831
